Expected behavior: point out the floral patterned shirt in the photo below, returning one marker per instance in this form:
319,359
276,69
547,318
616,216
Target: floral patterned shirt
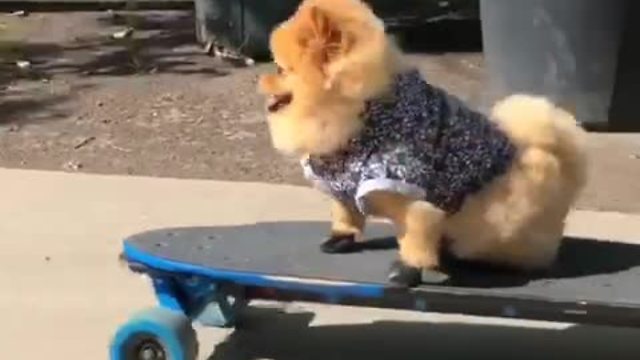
422,143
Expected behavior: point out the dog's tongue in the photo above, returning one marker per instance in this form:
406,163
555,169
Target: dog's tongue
276,102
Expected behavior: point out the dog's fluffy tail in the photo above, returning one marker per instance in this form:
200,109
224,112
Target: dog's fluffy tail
535,122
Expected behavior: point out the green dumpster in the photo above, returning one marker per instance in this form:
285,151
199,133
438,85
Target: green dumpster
244,25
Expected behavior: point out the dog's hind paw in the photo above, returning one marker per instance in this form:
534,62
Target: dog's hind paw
404,275
401,274
433,277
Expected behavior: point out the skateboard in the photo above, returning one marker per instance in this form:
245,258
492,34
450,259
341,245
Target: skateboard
207,275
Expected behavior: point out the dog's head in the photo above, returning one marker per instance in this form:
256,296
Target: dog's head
331,56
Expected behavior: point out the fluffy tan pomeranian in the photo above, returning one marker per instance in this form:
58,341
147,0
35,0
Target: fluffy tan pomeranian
382,142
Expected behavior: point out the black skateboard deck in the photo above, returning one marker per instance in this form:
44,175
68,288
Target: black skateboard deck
592,282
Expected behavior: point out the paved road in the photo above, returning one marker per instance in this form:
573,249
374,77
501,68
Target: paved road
187,115
63,292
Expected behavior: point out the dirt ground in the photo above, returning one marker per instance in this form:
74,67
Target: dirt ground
156,105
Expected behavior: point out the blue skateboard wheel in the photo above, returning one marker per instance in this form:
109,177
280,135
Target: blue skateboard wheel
155,334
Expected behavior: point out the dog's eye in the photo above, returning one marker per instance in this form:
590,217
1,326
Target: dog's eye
279,70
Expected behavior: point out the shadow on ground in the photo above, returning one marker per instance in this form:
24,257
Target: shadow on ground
40,105
162,42
165,42
272,334
82,49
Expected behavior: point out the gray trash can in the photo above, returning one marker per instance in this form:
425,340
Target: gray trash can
565,49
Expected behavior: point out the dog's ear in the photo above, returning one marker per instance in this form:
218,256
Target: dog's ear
321,36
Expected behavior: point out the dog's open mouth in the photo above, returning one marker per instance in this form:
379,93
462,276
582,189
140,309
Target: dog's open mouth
277,102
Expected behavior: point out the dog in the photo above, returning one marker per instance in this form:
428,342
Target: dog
382,142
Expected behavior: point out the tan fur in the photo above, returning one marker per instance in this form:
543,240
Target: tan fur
420,226
345,220
329,77
519,219
334,55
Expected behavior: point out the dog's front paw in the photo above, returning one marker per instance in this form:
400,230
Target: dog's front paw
339,244
401,274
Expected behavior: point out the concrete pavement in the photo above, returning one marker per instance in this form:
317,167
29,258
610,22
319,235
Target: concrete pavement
63,293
